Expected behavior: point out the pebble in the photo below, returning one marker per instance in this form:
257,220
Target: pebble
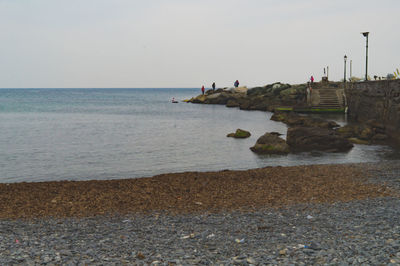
358,232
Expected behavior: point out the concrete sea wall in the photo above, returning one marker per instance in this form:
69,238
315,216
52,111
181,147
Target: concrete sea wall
376,100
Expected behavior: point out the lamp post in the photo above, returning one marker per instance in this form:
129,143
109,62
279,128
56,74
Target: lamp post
345,59
365,34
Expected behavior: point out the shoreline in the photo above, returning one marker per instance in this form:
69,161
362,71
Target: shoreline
190,192
312,232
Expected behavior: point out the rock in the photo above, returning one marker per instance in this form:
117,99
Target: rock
140,256
242,89
379,137
283,252
210,91
347,131
294,119
278,87
316,138
279,116
270,144
370,132
218,98
366,133
198,99
240,133
232,103
358,141
244,104
251,261
259,90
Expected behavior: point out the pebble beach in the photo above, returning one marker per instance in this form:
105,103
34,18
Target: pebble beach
332,214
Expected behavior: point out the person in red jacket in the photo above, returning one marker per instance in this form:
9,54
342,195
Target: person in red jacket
202,89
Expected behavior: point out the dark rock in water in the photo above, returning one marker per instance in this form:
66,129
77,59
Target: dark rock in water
358,141
219,98
367,133
316,138
232,103
240,134
294,119
348,131
244,104
260,98
270,143
379,137
198,99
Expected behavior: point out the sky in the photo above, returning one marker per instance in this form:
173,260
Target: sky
190,43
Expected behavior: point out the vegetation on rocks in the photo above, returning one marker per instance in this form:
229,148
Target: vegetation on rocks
270,143
240,134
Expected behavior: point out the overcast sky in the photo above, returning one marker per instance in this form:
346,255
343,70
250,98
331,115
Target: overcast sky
189,43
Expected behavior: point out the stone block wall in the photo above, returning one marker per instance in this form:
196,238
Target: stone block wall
378,100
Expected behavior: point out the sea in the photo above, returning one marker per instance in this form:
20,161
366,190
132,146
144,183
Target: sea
86,134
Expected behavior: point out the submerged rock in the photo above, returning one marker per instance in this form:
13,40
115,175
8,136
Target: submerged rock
240,134
270,143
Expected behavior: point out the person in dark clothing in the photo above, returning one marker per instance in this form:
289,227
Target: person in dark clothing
213,86
236,84
202,89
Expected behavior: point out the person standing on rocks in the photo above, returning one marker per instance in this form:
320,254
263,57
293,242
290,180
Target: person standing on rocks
236,84
202,89
213,86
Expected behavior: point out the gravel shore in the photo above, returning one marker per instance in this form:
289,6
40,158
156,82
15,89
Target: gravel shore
341,231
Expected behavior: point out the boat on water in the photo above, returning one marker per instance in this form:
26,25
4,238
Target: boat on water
174,101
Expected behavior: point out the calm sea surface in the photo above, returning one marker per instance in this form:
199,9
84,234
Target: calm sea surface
82,134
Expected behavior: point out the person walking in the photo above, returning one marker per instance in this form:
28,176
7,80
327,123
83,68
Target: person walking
213,86
202,89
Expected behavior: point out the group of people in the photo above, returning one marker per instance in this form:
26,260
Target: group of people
236,84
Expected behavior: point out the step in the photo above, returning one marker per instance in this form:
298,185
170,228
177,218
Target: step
326,106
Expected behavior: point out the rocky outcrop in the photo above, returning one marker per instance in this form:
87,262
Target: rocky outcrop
270,143
294,119
240,134
264,98
371,132
302,138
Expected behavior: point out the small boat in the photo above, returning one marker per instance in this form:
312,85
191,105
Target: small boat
174,101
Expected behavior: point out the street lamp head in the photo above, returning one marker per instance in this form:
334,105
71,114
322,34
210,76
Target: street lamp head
365,34
345,57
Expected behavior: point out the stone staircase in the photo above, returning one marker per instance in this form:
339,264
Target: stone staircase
325,98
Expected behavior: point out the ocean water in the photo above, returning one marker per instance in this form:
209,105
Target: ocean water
83,134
